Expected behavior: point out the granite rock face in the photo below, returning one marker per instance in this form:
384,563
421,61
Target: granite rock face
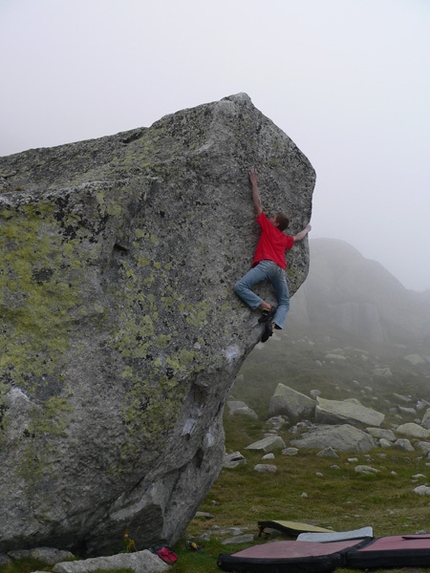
120,331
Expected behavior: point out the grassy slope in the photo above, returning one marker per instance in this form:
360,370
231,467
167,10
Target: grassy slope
336,498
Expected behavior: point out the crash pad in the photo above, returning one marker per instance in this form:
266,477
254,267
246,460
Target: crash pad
337,535
292,528
392,551
289,557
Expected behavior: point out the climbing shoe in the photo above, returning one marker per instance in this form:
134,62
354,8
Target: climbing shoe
267,315
268,331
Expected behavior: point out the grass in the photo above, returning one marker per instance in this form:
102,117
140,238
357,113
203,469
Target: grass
337,497
26,565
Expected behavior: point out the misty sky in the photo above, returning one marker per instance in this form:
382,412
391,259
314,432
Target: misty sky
347,80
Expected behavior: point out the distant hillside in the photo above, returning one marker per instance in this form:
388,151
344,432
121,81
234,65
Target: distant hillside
358,296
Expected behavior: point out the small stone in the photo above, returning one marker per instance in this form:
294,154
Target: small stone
204,514
49,555
238,539
266,468
364,470
327,452
233,460
422,490
139,562
267,444
290,451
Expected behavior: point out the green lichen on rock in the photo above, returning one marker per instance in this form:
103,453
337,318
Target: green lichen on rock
121,333
35,302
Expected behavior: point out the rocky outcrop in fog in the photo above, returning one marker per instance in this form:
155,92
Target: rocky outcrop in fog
350,293
121,334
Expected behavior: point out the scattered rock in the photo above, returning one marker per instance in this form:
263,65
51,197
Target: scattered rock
266,468
426,419
233,460
344,438
328,452
413,430
402,397
383,372
238,539
407,411
333,356
404,444
366,470
48,555
423,446
346,411
290,451
268,444
300,426
294,404
204,514
380,433
140,562
238,408
415,359
422,490
277,422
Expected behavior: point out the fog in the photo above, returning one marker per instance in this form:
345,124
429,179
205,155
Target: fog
348,81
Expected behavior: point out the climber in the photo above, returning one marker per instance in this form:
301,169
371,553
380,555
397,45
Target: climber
269,264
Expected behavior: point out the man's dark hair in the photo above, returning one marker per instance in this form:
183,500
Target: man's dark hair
282,221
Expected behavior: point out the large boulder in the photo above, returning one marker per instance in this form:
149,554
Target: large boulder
121,334
413,430
349,411
267,444
344,438
290,402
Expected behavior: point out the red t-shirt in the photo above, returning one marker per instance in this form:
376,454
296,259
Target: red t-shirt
272,244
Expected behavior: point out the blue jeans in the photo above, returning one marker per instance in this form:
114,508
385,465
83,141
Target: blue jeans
266,270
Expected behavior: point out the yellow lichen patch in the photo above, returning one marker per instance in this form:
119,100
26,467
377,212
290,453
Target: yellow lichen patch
35,299
197,314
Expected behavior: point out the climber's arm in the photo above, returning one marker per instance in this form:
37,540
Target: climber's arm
253,177
302,234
